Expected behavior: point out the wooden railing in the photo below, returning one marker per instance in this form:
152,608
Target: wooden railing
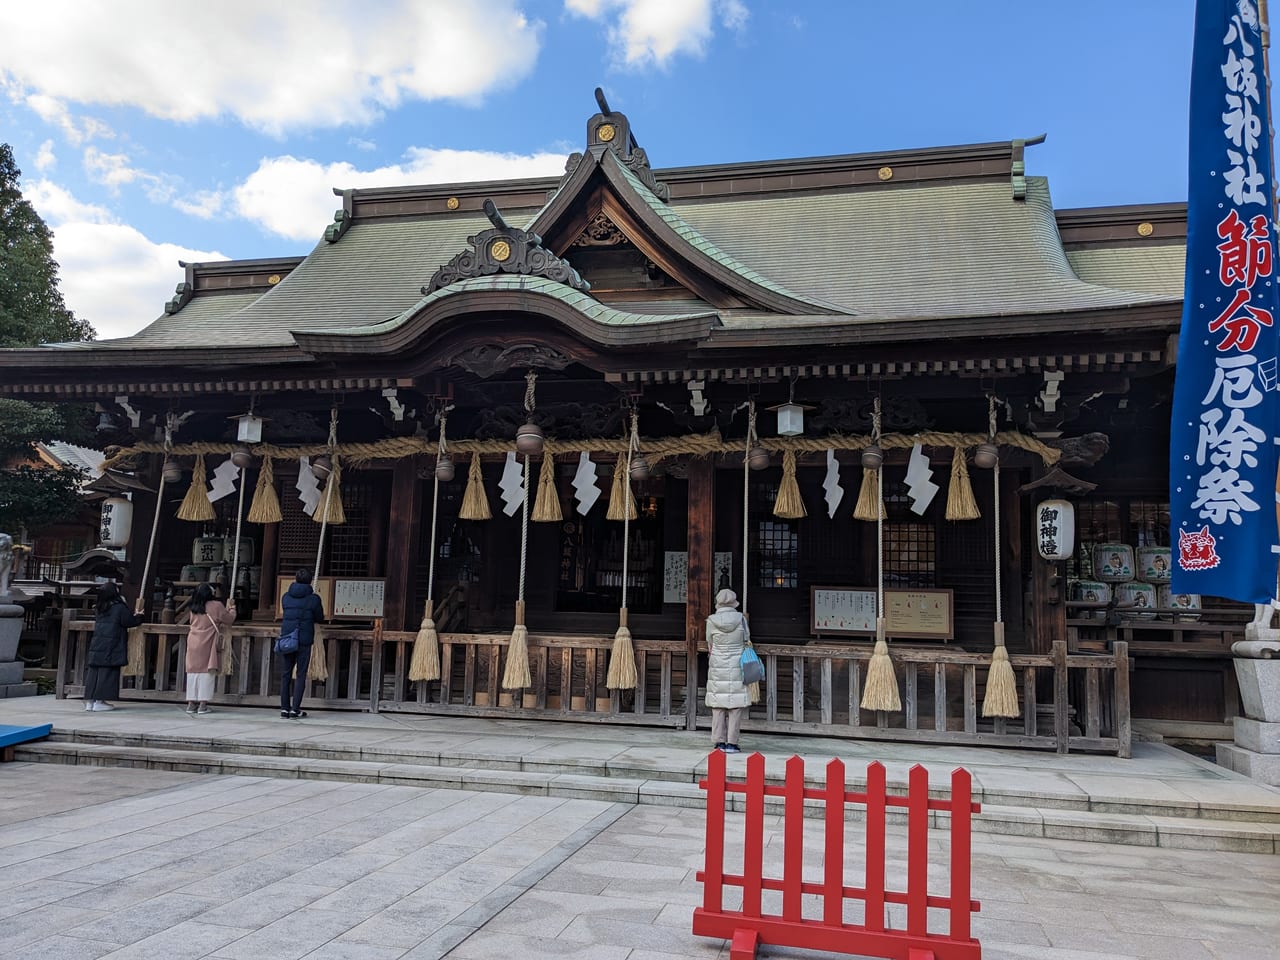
812,689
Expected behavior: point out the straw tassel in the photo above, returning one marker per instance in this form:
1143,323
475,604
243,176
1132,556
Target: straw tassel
881,691
789,504
867,497
226,650
622,659
516,675
960,502
618,493
1001,699
475,503
425,664
546,509
266,504
332,502
137,665
318,668
196,505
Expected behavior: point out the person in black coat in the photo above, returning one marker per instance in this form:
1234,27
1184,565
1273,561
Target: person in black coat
302,610
108,648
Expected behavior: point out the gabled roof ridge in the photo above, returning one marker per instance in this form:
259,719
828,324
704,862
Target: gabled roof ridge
707,246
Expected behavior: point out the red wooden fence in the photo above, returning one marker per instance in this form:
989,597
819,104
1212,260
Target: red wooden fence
751,926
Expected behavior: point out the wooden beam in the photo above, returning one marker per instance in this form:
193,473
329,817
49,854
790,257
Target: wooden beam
701,591
402,545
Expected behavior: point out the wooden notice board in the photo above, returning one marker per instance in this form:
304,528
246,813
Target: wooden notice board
908,614
344,598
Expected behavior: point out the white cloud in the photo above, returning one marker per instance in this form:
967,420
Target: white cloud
111,170
641,32
54,112
361,144
110,273
294,198
272,66
45,158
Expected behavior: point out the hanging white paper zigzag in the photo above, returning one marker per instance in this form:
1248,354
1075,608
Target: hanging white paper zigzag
224,481
835,492
308,487
512,485
920,487
584,484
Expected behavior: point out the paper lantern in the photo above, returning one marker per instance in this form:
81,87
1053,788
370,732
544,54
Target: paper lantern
116,523
1056,529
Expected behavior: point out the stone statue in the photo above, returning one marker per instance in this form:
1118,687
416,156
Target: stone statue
1261,639
6,563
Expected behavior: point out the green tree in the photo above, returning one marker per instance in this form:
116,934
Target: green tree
32,312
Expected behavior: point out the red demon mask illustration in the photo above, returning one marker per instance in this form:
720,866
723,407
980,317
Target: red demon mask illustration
1196,550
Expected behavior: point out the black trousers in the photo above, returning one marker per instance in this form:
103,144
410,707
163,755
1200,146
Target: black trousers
292,690
102,683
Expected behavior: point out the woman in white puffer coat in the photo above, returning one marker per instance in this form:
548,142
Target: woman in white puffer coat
727,696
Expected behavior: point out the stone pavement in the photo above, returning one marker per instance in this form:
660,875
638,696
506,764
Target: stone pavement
1162,797
101,862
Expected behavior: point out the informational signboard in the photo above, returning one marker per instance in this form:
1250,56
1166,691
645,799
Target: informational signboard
675,574
344,598
908,614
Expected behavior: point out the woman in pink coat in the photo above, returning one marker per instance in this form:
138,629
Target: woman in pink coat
208,616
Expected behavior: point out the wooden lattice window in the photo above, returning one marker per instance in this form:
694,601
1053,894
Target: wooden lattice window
347,551
776,550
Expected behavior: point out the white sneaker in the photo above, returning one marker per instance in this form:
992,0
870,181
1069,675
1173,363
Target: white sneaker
100,705
88,706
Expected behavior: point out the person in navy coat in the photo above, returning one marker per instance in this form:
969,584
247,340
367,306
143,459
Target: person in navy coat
302,610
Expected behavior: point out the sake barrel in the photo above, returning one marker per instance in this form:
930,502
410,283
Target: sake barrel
1179,602
206,550
1092,591
246,550
194,574
1113,563
1154,564
1142,597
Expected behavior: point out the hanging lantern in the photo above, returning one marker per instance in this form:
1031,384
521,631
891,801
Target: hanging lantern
444,468
758,458
639,467
171,471
248,429
116,522
321,466
1056,529
986,455
529,439
241,456
790,419
872,456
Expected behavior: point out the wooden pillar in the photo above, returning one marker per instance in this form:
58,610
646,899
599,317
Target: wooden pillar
270,570
701,592
402,543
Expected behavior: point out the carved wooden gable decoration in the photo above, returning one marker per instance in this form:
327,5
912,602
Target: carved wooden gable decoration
613,130
505,249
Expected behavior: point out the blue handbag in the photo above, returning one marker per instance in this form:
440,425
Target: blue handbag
288,643
752,667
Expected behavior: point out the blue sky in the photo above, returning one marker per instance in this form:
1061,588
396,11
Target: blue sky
150,132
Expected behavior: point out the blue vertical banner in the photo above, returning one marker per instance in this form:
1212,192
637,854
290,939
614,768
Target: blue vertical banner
1222,451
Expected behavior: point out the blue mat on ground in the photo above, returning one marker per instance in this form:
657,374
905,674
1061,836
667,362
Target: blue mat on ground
11,735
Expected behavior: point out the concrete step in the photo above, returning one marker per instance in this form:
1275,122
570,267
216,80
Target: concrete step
1022,819
658,767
